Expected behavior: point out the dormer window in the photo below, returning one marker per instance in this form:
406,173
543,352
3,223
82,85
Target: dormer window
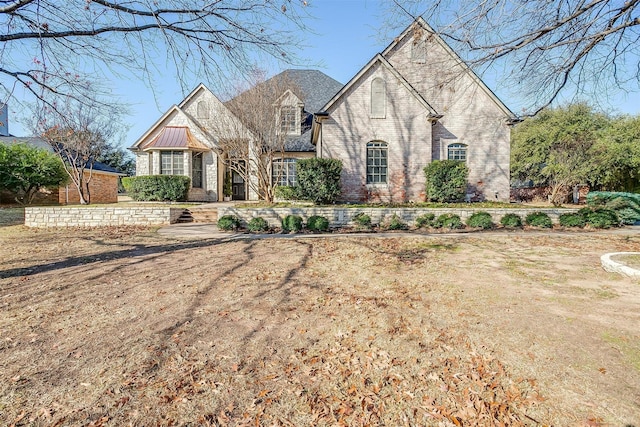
288,120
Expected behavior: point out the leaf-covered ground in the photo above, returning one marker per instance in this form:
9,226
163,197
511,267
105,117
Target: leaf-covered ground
122,327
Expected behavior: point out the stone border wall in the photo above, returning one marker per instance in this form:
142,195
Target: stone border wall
340,217
100,216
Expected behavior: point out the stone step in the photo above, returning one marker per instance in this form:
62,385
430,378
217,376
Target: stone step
209,215
185,217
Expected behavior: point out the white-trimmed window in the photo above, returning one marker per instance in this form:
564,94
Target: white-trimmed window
378,98
288,119
171,163
283,172
377,167
202,111
457,151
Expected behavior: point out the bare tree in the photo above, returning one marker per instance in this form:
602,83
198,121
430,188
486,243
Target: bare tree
55,47
79,133
547,47
252,137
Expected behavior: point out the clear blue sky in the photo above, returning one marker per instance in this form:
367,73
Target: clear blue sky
345,35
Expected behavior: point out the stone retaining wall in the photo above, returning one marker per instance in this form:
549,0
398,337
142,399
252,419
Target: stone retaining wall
100,216
339,217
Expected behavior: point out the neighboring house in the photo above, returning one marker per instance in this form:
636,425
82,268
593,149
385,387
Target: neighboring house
186,139
415,102
103,185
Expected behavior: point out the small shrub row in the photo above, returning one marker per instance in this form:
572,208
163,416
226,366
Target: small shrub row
157,188
290,224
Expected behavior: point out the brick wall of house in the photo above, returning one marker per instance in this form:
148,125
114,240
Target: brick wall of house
471,115
404,128
103,188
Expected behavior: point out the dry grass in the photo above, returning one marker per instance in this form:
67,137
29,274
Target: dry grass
120,326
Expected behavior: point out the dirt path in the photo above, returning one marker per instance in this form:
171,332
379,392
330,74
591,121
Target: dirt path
119,326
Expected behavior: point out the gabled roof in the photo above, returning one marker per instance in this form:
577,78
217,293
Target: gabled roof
175,137
420,21
173,110
37,142
384,63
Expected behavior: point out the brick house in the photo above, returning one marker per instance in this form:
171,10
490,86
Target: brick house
186,139
103,185
415,102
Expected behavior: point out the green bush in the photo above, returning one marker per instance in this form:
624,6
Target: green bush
426,220
318,179
538,219
446,180
480,220
572,220
600,217
450,221
258,225
285,192
626,205
292,224
511,220
395,223
157,188
362,220
318,223
228,223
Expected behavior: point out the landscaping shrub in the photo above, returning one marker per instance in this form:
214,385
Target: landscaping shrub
572,220
318,223
446,181
426,220
626,205
395,223
450,221
318,179
362,220
292,224
157,188
538,219
600,217
511,220
480,220
258,225
228,223
285,192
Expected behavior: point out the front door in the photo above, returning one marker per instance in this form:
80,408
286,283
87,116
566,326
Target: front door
237,186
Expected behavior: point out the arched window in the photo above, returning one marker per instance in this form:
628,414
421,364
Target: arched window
202,111
378,98
419,50
377,172
457,152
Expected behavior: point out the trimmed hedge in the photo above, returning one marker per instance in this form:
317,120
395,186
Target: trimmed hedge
292,224
446,180
511,220
318,223
480,219
258,225
538,219
600,217
626,205
157,188
318,180
572,220
425,221
228,223
395,223
450,221
285,192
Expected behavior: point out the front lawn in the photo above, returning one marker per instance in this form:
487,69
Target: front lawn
119,326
